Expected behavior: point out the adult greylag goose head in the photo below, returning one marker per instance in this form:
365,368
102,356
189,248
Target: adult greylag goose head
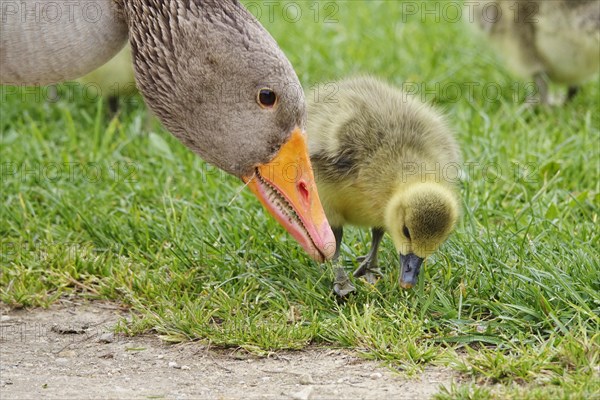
211,73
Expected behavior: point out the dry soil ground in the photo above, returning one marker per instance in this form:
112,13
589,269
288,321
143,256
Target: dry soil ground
68,352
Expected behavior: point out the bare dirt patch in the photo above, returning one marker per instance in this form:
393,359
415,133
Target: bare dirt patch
68,351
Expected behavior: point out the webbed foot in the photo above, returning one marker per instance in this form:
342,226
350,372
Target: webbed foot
342,285
368,270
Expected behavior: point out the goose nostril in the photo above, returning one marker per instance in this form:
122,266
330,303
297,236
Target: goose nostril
304,193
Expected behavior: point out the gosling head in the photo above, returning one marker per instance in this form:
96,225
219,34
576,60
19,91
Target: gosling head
419,218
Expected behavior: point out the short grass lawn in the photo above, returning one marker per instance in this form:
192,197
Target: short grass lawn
116,208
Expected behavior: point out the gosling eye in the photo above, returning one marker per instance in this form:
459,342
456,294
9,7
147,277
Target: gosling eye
266,98
406,232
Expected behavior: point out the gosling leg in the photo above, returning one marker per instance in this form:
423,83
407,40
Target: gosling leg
572,92
341,285
113,105
338,234
542,86
368,264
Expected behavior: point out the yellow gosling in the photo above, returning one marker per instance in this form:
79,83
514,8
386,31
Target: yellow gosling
383,159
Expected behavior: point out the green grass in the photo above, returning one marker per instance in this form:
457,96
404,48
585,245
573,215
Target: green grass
117,209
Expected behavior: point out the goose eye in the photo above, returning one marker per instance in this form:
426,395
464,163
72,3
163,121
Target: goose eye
266,98
406,232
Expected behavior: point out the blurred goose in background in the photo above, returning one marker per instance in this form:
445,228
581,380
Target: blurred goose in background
210,72
384,160
557,40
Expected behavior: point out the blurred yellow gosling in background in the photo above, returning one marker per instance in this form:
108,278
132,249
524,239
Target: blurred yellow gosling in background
556,40
113,80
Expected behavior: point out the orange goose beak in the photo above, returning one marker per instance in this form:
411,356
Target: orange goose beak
286,187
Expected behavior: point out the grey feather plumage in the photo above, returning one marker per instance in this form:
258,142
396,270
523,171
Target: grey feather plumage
40,45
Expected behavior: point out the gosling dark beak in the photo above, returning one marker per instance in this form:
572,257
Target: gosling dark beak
411,265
